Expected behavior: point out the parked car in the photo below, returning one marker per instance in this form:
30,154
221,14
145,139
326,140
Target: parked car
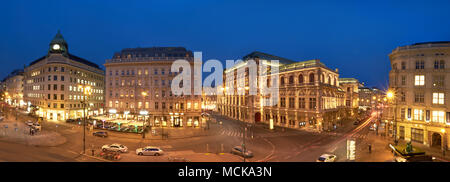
124,129
327,158
356,123
29,123
2,118
149,150
100,134
115,148
237,150
70,120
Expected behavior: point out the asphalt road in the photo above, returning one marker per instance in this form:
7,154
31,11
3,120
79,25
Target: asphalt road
266,145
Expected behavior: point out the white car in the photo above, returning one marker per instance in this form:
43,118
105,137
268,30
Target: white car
1,118
29,123
149,150
115,148
327,158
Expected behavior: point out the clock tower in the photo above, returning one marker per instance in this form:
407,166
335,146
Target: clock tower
58,45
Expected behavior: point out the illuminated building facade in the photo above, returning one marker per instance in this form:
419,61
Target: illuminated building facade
54,84
138,87
13,89
309,95
420,85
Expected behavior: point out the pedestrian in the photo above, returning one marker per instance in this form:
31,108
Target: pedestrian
370,148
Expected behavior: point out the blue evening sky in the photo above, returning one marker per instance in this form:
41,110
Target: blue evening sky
353,36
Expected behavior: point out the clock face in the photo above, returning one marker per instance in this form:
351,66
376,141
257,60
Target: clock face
56,47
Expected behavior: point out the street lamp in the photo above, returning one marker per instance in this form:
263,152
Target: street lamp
87,91
144,114
392,96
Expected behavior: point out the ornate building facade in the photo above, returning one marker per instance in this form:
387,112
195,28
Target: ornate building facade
309,95
138,86
56,85
420,83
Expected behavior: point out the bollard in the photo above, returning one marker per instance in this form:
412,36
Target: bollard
93,152
221,147
207,148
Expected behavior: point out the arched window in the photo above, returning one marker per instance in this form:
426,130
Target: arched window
282,80
300,78
311,78
329,80
291,80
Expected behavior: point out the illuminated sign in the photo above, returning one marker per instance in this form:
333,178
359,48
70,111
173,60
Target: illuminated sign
351,150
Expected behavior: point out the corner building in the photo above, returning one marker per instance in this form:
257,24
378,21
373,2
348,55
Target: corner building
53,84
420,80
309,95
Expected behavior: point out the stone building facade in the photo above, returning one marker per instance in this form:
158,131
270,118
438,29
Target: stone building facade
55,84
13,88
420,81
309,95
138,87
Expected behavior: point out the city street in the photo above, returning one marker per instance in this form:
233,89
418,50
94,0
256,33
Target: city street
279,145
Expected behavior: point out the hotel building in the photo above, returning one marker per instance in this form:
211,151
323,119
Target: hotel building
420,83
309,95
56,84
138,87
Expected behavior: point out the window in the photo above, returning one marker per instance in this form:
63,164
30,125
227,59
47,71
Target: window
62,96
55,87
311,78
419,80
402,113
402,97
419,97
438,116
291,102
439,64
420,65
438,98
417,135
312,103
300,79
282,102
394,66
156,105
418,114
291,80
403,80
301,103
62,78
438,80
403,65
282,80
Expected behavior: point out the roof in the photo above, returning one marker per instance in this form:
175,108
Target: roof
72,57
154,52
267,57
433,42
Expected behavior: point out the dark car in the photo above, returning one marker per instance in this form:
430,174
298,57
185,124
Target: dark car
100,134
356,123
